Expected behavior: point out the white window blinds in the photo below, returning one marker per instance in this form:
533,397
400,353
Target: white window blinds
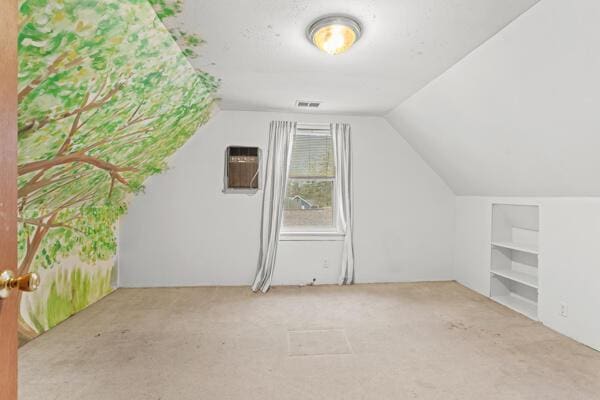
312,156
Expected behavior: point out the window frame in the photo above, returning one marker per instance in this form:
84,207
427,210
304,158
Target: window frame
316,232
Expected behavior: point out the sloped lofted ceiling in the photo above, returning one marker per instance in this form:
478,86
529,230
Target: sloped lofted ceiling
520,115
259,50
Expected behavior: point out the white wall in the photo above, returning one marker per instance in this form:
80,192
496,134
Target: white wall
518,116
569,261
185,231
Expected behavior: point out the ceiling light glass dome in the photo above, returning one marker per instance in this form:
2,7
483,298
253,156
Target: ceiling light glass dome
334,34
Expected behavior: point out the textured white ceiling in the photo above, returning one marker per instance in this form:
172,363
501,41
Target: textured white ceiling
259,50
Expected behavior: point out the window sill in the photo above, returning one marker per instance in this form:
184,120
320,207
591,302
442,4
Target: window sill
249,192
311,236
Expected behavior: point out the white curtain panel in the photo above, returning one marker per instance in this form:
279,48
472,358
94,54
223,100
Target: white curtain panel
281,135
343,149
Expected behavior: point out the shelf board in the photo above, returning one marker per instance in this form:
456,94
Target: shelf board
518,304
525,279
526,248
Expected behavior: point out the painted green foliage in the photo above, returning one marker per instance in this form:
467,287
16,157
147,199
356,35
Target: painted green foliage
70,292
166,9
105,97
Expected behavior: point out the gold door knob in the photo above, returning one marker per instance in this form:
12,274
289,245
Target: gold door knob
25,283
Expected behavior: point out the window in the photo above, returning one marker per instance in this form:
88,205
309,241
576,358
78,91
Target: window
241,169
310,201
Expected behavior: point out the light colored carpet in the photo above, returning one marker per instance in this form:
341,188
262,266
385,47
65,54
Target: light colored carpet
385,341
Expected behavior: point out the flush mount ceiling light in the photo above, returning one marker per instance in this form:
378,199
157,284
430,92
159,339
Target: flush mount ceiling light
334,34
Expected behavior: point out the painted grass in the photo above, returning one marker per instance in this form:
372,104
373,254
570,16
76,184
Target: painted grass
70,292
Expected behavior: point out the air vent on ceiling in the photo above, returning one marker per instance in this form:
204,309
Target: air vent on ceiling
307,104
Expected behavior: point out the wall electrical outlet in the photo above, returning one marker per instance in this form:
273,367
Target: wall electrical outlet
564,310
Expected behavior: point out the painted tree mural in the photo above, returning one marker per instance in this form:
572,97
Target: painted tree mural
166,11
105,97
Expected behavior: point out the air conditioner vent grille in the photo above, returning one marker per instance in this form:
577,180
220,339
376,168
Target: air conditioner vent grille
308,104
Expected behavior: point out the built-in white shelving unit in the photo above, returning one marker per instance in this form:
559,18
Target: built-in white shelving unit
526,248
514,258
